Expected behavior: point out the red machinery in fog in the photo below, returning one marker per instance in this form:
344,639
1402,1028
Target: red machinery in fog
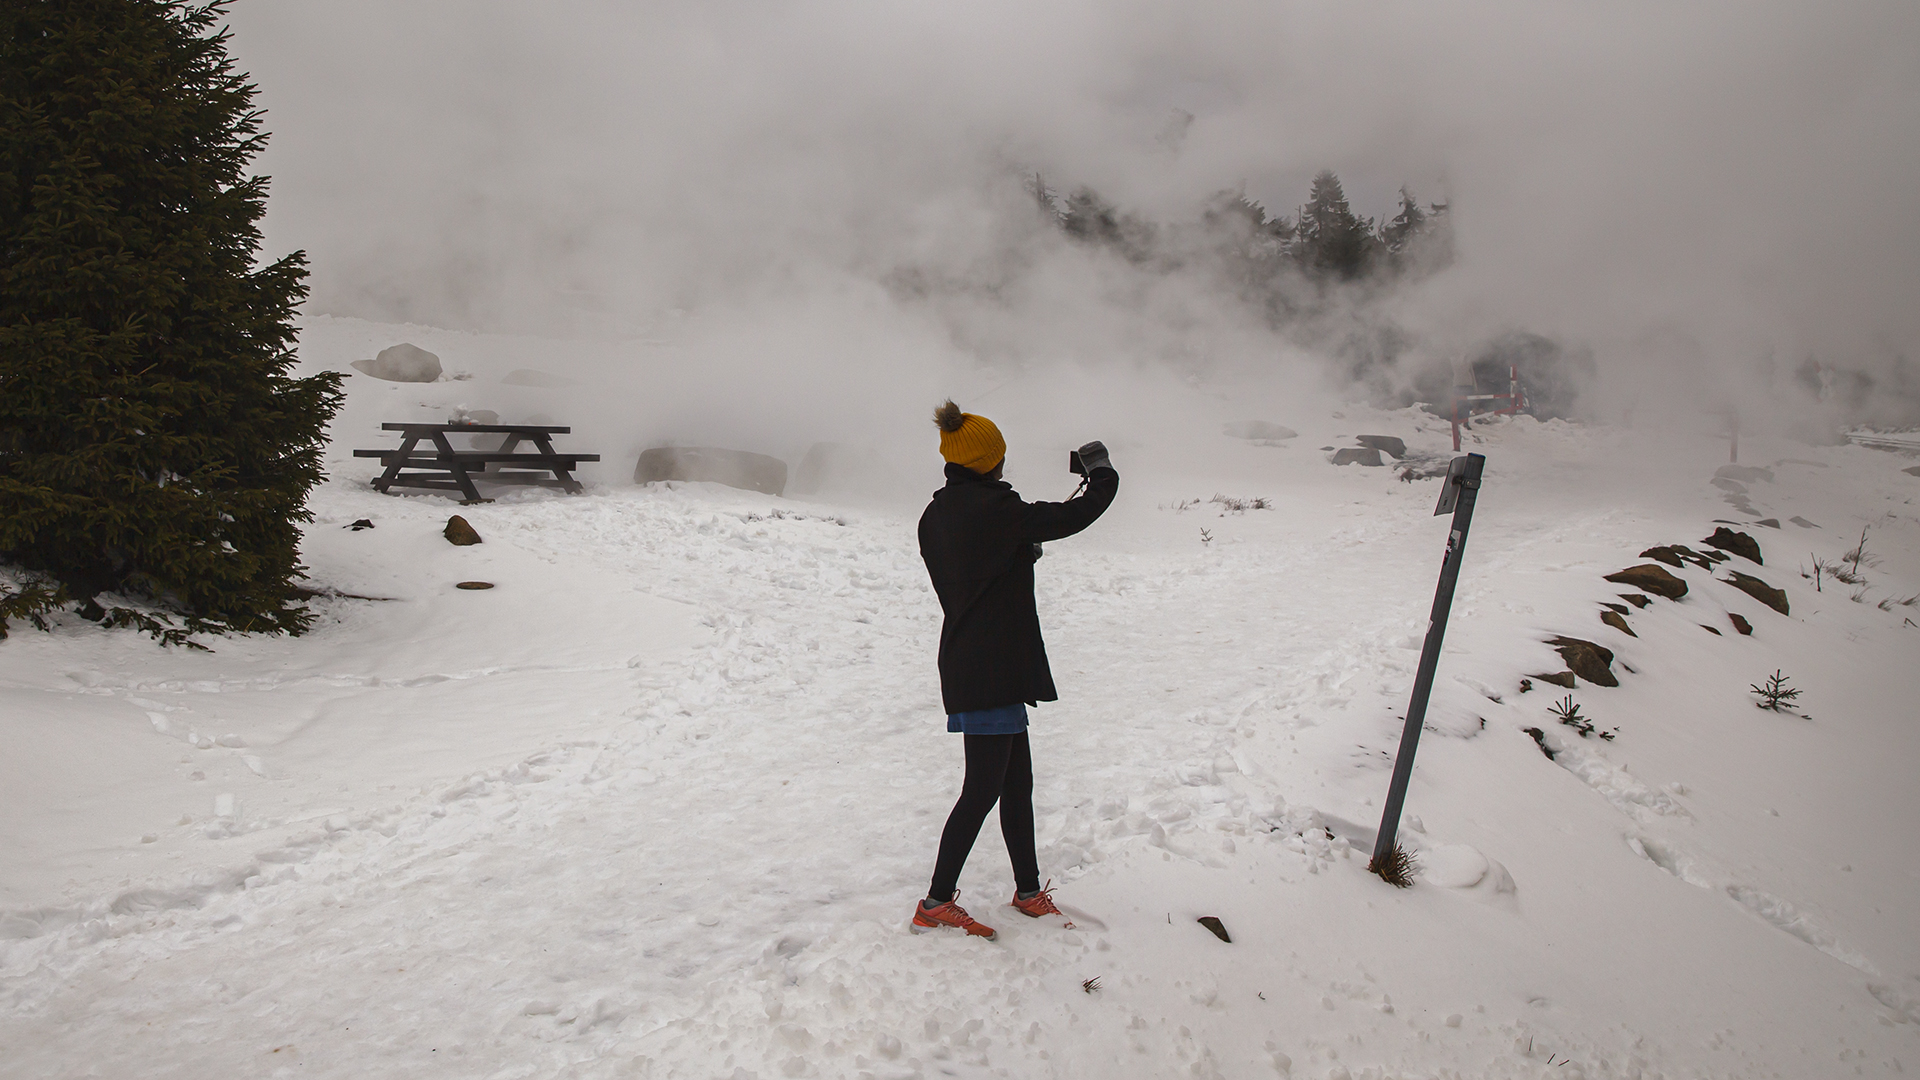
1514,398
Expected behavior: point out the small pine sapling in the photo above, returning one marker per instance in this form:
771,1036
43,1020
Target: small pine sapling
1775,695
1396,867
1567,712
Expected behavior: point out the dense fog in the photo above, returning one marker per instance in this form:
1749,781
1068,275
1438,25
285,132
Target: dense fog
1675,211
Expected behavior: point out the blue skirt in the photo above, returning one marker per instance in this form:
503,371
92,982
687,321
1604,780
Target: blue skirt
1005,720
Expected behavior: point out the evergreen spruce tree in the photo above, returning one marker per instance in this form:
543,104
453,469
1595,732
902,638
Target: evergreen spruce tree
1329,241
154,447
1399,234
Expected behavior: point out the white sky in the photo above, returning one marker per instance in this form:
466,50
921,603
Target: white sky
1695,187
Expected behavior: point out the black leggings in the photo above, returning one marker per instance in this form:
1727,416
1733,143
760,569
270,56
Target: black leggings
999,768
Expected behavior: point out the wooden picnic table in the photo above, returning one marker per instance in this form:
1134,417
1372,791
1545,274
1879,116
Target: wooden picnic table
440,467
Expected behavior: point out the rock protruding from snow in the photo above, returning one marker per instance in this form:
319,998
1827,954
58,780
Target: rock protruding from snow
1680,554
1391,445
459,533
1257,430
1591,662
1618,622
1759,590
1352,456
1650,578
734,468
1739,543
402,363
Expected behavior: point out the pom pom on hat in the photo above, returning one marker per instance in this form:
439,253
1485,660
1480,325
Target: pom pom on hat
968,440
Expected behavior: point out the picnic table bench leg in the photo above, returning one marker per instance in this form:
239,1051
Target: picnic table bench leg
385,480
458,469
511,443
560,472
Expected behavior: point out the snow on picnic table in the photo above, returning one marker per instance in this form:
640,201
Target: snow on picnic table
658,803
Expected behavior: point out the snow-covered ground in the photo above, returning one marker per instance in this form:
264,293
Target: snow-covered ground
658,803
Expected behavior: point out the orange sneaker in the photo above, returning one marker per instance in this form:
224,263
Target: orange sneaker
1039,904
948,914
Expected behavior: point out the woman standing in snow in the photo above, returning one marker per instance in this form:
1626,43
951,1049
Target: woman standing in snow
980,540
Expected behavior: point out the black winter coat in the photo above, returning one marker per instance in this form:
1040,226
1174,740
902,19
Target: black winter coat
977,538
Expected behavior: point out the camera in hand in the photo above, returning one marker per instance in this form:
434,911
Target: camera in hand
1089,457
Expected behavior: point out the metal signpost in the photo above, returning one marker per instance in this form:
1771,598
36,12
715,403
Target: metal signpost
1462,485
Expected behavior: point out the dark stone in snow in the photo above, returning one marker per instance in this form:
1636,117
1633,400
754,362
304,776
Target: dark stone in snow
473,585
363,523
1219,929
1591,662
1771,523
1650,578
1618,622
1635,599
734,468
1741,624
1559,678
1803,522
1759,590
1351,456
1621,608
1710,630
1664,554
1912,470
1386,443
1737,542
460,533
1540,740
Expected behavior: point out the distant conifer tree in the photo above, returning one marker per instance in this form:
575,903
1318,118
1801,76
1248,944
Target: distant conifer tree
1329,241
1398,235
154,446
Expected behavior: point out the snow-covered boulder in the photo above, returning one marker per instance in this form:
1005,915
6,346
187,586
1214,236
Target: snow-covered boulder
734,468
1353,456
1258,430
402,363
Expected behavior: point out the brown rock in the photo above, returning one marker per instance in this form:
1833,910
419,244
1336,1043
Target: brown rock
1559,678
1618,622
460,533
1759,590
1635,599
1737,542
1678,554
1664,554
1711,630
1619,608
1741,624
1591,662
1650,578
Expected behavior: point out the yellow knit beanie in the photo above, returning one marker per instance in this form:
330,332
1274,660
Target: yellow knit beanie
969,440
